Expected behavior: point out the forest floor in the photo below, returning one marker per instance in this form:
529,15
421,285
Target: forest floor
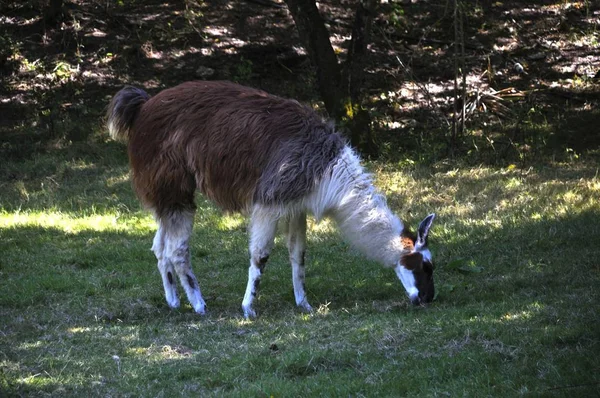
543,60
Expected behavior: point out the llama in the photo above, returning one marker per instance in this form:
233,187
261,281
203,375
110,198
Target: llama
271,158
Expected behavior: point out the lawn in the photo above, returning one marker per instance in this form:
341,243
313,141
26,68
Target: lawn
516,250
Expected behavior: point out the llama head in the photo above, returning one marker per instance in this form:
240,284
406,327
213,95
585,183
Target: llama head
415,268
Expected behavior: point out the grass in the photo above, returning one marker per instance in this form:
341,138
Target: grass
82,310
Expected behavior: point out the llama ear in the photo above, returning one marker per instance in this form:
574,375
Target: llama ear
424,230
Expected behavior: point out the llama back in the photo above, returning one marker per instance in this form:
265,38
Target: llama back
235,144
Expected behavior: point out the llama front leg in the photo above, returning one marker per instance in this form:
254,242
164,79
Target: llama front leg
178,229
263,226
165,267
296,243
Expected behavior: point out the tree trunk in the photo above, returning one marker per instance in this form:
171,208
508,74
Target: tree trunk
361,36
315,37
341,93
53,12
361,135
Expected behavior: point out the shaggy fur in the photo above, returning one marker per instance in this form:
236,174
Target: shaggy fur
122,111
267,156
237,145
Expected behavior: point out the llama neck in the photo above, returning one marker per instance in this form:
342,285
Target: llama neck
350,198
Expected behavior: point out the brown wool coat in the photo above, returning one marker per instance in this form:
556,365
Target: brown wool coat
237,145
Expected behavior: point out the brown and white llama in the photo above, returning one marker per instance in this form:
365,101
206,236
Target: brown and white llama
269,157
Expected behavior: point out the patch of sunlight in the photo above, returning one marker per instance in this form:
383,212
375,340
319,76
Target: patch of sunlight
112,181
80,165
480,319
130,337
323,309
487,221
452,173
216,31
536,216
305,316
167,352
73,225
79,330
513,183
524,315
390,182
37,380
230,222
142,224
462,210
29,346
325,226
170,352
478,173
137,350
571,197
242,322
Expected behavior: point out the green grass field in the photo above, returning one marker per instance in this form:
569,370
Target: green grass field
517,252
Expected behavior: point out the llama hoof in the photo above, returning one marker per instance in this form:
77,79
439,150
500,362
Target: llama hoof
201,311
249,312
173,303
200,308
305,307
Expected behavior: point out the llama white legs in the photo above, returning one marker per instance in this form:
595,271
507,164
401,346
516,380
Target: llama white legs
296,243
166,268
171,247
263,226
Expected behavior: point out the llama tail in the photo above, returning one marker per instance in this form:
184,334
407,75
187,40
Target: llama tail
123,110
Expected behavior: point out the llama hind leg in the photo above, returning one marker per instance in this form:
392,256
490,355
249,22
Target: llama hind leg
178,229
296,243
165,267
263,226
